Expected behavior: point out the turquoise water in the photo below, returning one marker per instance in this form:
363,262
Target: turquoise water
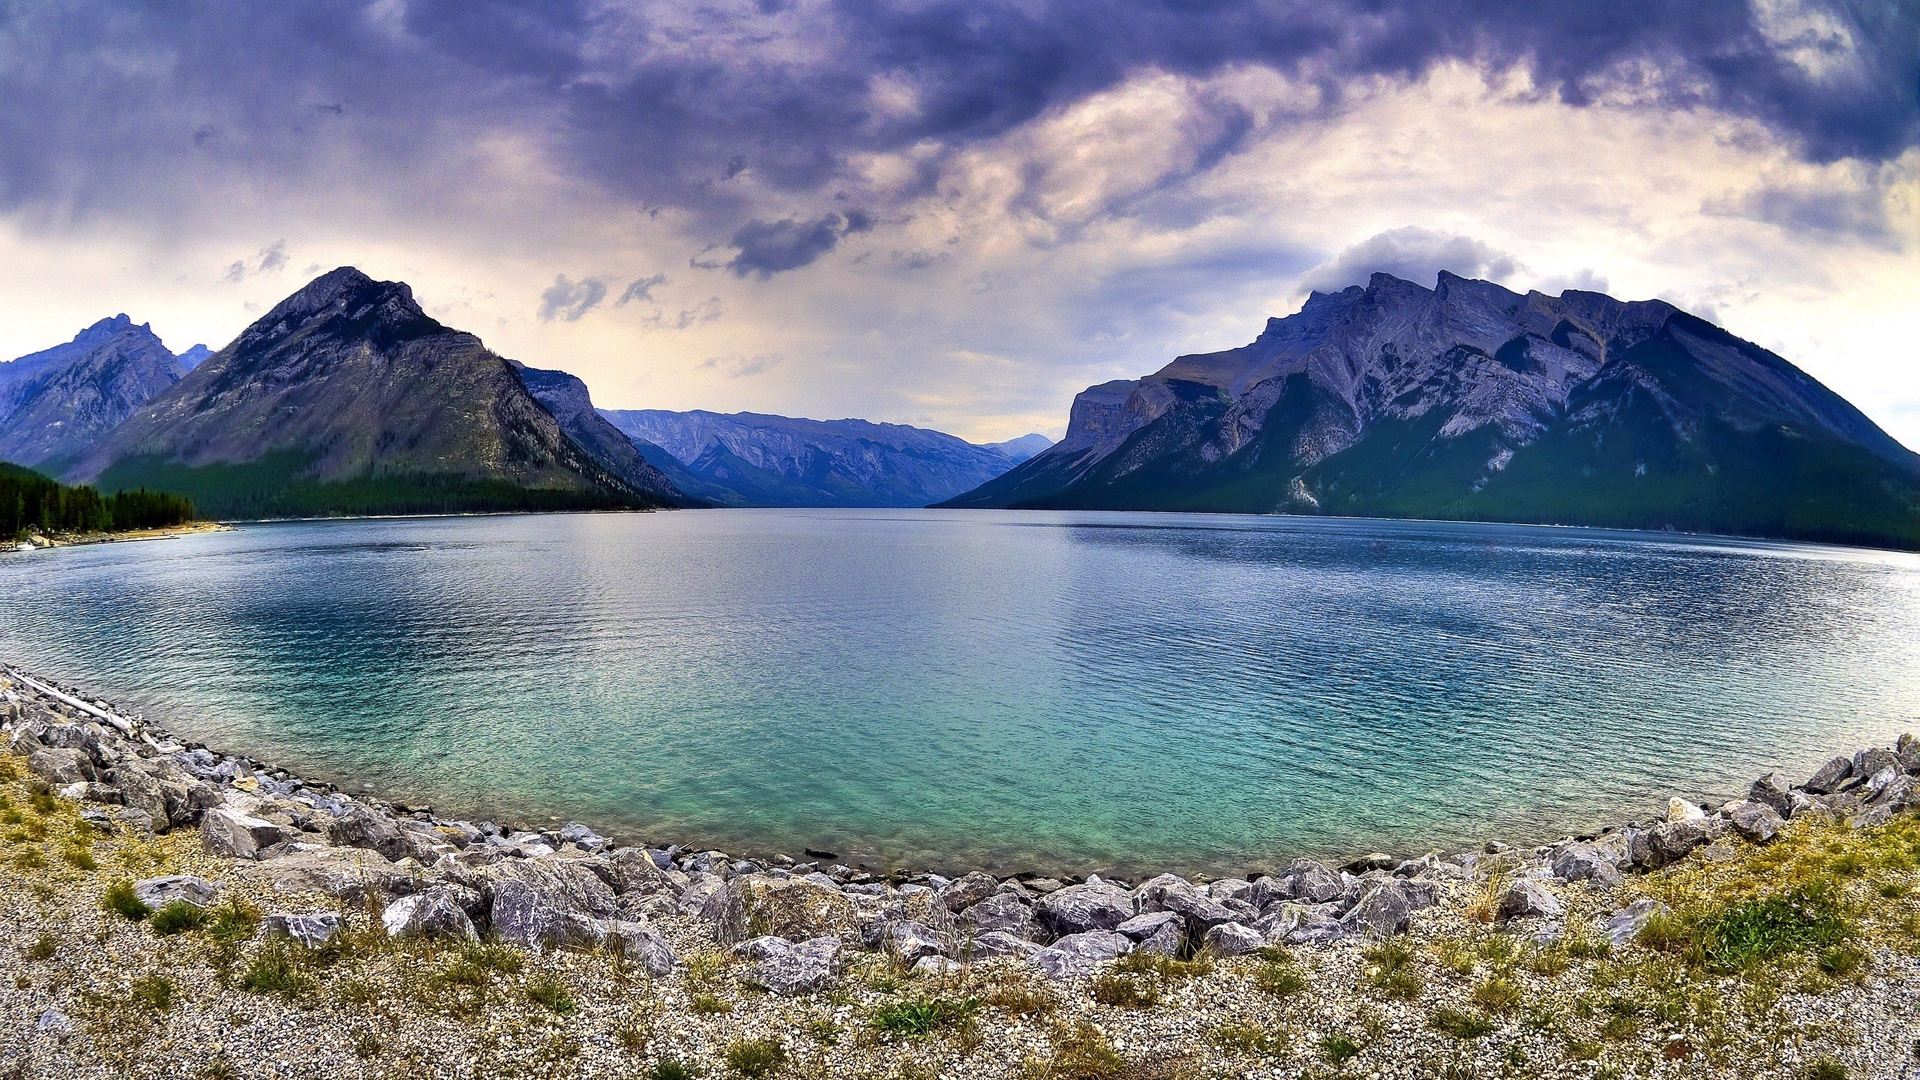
945,688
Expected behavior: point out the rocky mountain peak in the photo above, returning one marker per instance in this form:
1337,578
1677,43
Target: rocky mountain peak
1471,400
349,302
104,330
344,290
55,402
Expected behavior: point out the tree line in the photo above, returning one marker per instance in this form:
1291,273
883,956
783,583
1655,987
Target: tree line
30,502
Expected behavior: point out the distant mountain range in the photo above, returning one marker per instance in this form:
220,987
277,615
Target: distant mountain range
348,398
755,459
56,403
1469,401
1464,401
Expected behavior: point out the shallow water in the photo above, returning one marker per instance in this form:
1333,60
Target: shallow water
949,688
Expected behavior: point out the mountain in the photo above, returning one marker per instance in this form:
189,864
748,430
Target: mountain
566,397
57,402
194,357
754,459
1022,448
1469,401
348,398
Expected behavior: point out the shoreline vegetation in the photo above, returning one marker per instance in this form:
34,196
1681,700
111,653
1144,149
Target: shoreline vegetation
41,541
37,509
170,911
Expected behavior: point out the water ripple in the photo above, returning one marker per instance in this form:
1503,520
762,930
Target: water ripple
1066,690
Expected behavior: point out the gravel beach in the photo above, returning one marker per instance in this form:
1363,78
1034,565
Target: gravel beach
170,911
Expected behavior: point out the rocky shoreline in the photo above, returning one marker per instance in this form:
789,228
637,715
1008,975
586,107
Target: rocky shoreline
802,928
41,542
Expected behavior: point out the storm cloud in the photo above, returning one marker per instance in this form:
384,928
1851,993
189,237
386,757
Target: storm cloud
768,247
729,110
871,189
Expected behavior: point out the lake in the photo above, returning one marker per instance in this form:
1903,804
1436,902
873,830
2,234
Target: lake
1062,691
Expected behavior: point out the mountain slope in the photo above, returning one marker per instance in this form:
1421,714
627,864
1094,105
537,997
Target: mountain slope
1470,401
755,459
567,398
348,398
56,403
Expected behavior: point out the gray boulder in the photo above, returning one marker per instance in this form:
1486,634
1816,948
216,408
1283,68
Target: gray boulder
166,793
1581,861
1170,893
1527,898
362,827
1292,923
354,875
936,966
236,835
1079,955
60,766
1670,841
1304,879
1828,778
968,890
312,929
1383,909
908,941
549,904
796,909
1231,891
1890,787
641,944
435,913
1233,939
698,893
1003,911
1147,924
1169,940
1755,820
1868,762
1870,818
996,943
1775,790
583,837
1625,924
158,892
783,967
1907,749
1077,909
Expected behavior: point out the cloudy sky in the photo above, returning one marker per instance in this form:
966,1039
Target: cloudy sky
958,214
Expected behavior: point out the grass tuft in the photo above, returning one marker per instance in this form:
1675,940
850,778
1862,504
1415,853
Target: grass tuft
119,898
552,993
176,916
275,969
1338,1049
1391,970
919,1017
154,992
1754,931
1461,1024
755,1057
1125,991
